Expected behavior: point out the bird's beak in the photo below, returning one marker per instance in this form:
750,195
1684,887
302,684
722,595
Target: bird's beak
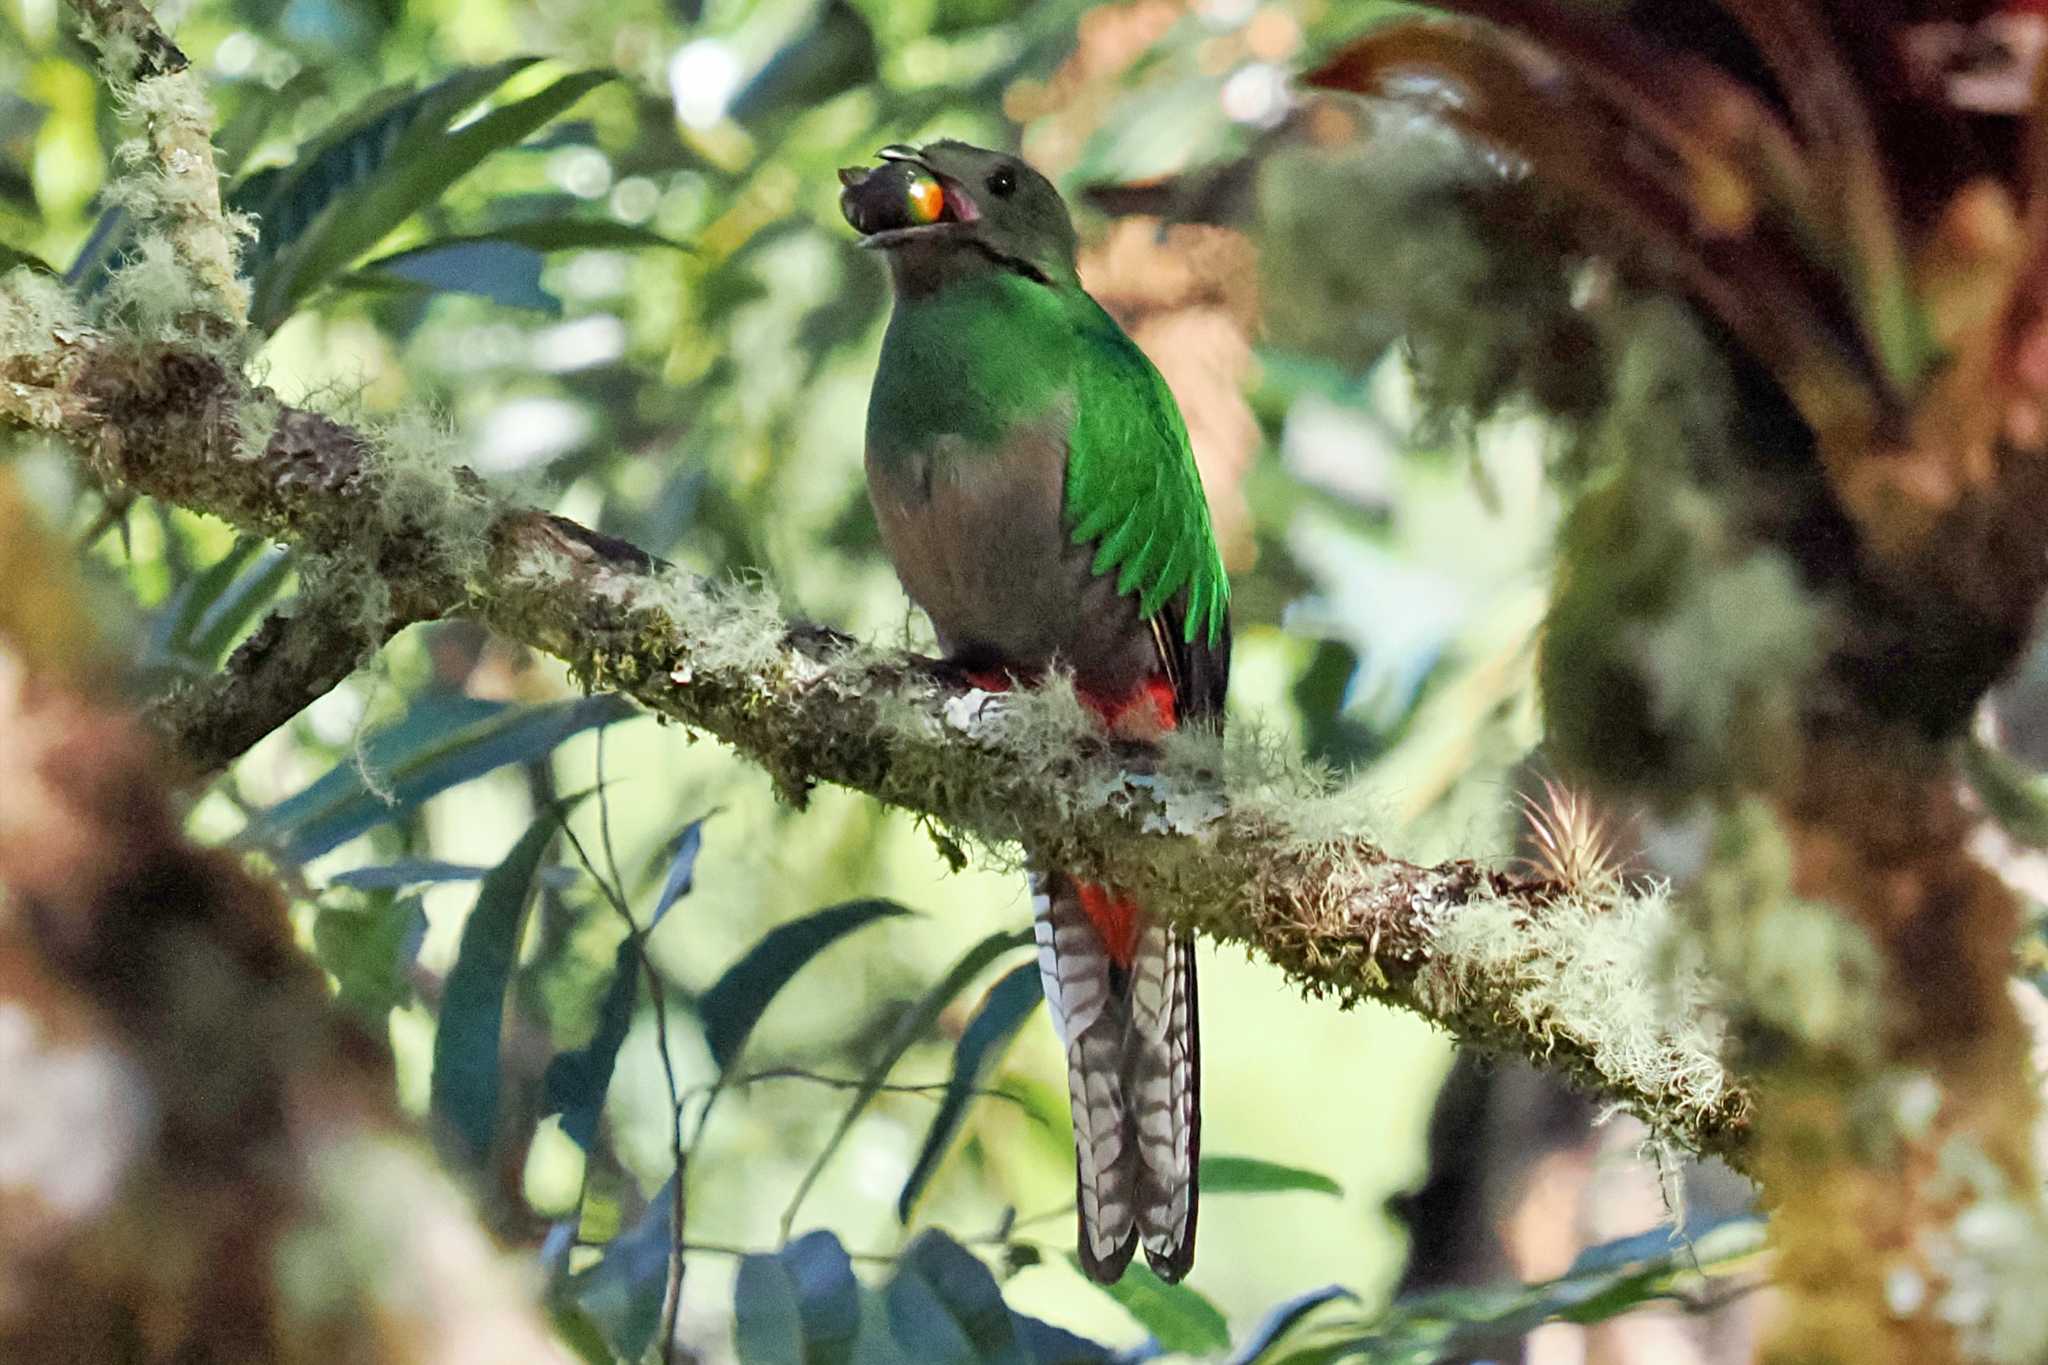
958,209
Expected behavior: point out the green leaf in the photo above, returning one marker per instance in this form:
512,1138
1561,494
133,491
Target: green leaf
623,1292
417,158
983,1043
946,1309
441,742
225,618
682,869
1249,1175
177,623
578,1080
1607,1281
431,871
286,200
1282,1319
800,1306
733,1005
502,272
2016,797
1176,1315
13,256
369,948
917,1023
463,1092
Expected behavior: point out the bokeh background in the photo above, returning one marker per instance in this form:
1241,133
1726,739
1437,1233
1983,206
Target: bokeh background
697,386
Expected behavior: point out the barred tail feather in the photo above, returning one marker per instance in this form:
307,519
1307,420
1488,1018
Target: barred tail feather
1132,1082
1163,1066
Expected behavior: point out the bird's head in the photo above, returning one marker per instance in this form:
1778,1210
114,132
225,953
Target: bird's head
945,200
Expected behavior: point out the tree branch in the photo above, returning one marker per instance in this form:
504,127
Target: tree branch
1502,960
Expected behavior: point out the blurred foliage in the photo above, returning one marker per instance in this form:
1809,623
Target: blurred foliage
617,276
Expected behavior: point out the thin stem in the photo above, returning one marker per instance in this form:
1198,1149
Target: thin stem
614,892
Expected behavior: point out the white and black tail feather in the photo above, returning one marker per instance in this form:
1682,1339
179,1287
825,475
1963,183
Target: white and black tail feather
1133,1075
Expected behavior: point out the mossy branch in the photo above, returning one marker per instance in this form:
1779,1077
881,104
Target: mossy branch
1503,960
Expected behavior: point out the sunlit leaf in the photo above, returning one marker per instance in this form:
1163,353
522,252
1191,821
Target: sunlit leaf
915,1024
441,742
983,1043
1249,1175
733,1005
623,1292
800,1306
463,1094
1177,1315
369,948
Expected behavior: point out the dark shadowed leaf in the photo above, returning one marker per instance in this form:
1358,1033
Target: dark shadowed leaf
580,1333
350,151
915,1024
1045,1344
441,742
12,256
463,1094
623,1292
945,1307
800,1306
88,270
229,613
1249,1175
1282,1319
1177,1316
398,157
369,948
733,1005
577,1080
983,1042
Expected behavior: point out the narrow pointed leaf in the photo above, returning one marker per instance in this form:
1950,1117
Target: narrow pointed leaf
503,272
945,1307
463,1092
420,166
682,869
13,256
983,1043
231,611
430,871
733,1005
442,742
1249,1175
1177,1316
1282,1319
799,1306
916,1023
578,1080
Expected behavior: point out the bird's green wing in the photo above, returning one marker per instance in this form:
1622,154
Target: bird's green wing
1132,485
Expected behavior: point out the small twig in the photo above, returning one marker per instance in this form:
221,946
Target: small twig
615,893
797,1073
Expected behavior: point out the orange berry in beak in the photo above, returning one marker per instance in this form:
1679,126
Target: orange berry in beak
926,199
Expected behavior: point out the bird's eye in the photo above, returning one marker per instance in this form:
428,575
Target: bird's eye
1002,181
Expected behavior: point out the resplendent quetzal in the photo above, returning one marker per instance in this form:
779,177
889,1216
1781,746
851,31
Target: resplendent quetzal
1035,489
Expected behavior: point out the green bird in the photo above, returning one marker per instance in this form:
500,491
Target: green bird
1034,486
